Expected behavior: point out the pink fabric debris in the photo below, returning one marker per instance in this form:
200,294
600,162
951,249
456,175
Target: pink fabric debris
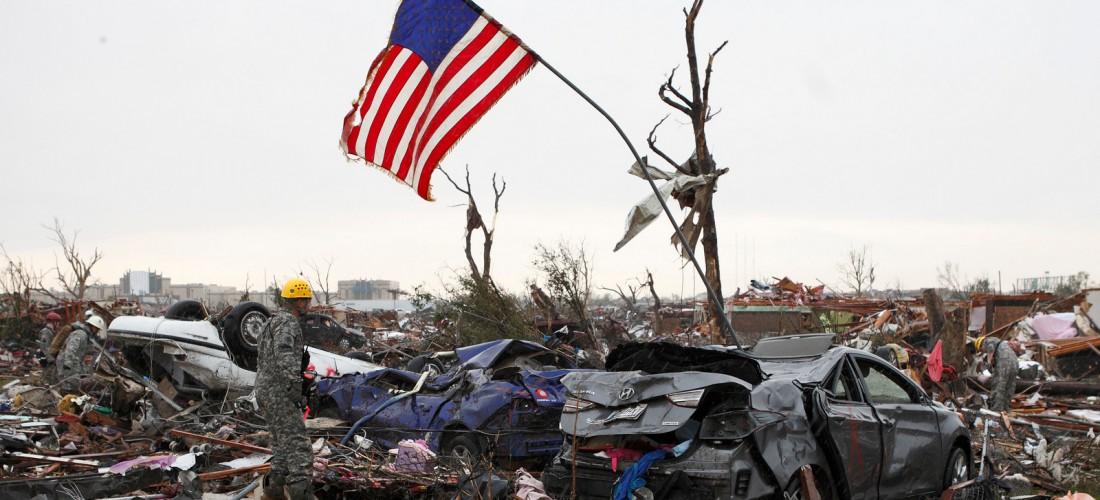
1075,496
935,362
414,457
1055,326
153,462
529,488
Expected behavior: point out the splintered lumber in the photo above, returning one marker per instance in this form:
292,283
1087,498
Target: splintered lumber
62,460
1060,387
222,474
229,444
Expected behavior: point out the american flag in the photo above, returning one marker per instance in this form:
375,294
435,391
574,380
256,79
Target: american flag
446,64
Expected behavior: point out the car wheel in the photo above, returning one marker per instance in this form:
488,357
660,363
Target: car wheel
252,326
424,364
821,479
186,310
241,330
466,450
243,326
957,469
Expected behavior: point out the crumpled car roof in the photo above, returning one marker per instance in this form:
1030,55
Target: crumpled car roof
666,357
486,354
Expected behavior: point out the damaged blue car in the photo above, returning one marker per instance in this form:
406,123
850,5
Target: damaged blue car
501,399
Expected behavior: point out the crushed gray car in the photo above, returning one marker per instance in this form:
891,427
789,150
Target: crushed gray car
723,423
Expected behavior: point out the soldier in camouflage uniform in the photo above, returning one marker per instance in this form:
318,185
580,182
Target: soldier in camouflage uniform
1005,366
45,336
70,361
279,392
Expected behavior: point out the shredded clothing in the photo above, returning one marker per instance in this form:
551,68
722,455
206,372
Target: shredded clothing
279,392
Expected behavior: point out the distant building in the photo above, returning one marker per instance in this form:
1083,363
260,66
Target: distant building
144,283
366,289
1053,284
100,292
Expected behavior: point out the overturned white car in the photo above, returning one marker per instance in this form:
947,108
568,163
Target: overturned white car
214,353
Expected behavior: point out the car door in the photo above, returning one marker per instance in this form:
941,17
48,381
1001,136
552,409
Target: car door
853,431
911,454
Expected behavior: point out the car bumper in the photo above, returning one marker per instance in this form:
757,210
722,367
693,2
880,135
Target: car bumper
709,471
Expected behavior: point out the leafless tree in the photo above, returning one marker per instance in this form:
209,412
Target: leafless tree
858,271
320,278
17,280
74,274
629,296
474,221
567,275
700,220
950,277
656,302
247,286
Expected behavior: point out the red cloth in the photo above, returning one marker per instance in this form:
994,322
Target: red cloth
624,453
935,362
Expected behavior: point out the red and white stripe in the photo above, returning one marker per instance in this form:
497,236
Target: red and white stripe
407,118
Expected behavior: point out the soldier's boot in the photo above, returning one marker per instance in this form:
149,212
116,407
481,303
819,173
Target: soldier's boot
300,490
274,488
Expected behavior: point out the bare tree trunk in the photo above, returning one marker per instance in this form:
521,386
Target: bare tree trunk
697,108
656,304
710,256
474,221
933,307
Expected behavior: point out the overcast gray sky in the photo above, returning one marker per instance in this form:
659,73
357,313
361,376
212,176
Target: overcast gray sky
201,139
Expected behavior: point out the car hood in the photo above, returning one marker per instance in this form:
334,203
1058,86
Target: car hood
486,354
614,393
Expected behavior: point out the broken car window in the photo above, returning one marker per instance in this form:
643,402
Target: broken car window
843,386
881,386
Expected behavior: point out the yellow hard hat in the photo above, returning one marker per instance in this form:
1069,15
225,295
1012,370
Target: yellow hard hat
297,288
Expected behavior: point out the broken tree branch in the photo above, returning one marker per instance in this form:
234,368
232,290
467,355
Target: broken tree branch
706,79
652,141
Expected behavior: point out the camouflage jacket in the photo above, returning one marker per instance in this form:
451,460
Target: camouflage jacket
280,352
72,356
45,336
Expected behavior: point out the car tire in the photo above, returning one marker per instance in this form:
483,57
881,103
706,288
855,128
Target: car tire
466,449
423,363
824,484
957,468
242,326
186,310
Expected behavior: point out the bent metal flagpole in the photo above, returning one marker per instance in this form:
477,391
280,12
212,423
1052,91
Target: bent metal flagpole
718,301
714,298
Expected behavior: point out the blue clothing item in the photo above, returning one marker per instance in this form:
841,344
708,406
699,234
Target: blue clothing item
634,477
681,448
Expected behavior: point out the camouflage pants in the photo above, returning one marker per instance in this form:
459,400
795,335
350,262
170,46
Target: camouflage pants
291,455
1004,386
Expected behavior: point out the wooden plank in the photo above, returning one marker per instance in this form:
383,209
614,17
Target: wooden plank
222,474
62,460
